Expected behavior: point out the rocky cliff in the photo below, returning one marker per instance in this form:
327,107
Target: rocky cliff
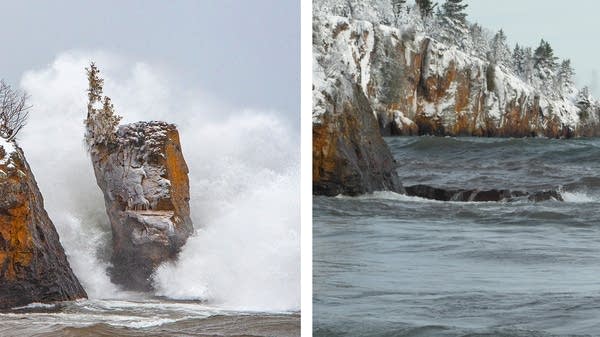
412,84
33,265
416,85
349,155
144,178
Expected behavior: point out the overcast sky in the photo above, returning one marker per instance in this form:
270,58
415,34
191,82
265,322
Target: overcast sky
247,53
571,27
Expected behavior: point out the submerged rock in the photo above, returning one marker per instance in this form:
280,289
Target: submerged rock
441,194
33,265
144,178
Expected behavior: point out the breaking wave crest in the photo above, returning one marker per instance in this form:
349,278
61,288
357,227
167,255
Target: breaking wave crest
579,197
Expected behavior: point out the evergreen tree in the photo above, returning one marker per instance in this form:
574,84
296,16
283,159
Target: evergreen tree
426,7
584,103
101,122
518,61
543,57
95,86
455,10
564,77
583,99
479,41
499,52
528,64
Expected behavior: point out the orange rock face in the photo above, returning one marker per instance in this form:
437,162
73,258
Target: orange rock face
349,155
33,265
144,179
454,97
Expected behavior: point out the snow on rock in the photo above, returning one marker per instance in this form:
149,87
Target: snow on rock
7,151
344,52
416,84
33,264
143,176
349,155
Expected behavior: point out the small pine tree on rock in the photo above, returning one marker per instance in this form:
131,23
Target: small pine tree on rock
101,122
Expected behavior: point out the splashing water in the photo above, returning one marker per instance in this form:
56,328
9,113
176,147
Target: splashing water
244,184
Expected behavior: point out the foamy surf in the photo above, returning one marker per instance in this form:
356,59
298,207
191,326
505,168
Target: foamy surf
578,197
244,186
387,195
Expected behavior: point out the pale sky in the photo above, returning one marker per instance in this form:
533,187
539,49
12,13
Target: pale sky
247,53
571,27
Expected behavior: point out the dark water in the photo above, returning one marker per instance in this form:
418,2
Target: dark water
390,265
143,317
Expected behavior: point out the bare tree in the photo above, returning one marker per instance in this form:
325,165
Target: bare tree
14,111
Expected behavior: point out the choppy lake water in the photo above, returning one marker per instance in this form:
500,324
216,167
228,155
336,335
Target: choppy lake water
391,265
143,317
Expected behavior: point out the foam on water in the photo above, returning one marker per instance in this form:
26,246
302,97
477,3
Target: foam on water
456,269
244,184
578,197
388,195
36,305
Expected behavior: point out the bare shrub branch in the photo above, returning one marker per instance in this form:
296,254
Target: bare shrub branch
14,111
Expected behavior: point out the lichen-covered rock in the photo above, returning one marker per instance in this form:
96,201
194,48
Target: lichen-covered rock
144,178
416,85
33,265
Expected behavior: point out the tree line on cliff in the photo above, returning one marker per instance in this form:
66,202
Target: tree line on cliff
447,21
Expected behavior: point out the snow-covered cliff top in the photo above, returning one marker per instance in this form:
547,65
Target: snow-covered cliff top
344,43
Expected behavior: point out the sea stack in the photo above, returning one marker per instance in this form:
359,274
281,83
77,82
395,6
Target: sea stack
146,192
33,265
144,178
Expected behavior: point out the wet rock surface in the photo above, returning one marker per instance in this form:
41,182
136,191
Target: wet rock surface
33,264
441,194
349,154
144,178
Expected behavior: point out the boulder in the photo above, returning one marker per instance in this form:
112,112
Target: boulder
33,264
144,179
